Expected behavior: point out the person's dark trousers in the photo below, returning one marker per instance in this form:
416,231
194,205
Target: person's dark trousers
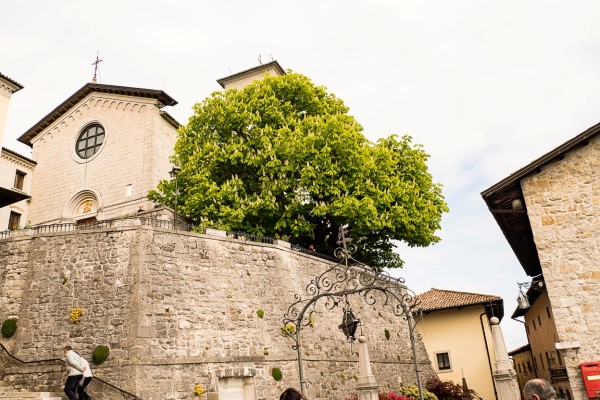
71,386
81,389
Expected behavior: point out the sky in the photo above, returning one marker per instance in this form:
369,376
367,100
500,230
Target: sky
486,87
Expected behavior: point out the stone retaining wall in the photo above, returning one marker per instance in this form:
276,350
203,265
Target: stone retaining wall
179,309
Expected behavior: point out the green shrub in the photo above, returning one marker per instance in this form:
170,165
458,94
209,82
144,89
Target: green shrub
260,313
100,354
412,392
9,326
276,374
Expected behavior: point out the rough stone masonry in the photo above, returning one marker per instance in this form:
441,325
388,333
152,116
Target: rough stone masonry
178,309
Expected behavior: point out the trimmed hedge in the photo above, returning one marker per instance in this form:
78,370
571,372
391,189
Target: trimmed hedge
276,374
9,326
100,354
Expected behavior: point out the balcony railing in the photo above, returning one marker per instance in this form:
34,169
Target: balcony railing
161,224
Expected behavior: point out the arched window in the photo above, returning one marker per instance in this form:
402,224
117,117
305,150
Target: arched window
89,141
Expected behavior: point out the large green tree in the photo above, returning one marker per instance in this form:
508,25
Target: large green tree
283,158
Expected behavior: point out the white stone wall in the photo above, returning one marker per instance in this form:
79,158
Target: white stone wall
177,309
563,204
134,153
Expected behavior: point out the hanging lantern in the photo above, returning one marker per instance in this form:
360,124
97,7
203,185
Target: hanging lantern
522,301
349,324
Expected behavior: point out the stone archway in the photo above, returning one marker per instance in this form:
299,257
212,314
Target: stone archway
83,207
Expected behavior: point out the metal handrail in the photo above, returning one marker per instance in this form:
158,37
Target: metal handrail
57,360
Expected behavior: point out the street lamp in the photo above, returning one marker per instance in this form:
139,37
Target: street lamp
173,173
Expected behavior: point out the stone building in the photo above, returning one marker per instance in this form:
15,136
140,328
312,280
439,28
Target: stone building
99,153
548,212
15,169
457,334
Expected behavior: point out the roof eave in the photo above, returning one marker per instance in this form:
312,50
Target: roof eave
162,98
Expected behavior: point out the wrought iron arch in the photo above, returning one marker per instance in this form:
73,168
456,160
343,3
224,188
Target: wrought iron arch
346,278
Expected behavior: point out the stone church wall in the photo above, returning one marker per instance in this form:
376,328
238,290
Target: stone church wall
133,158
179,309
563,203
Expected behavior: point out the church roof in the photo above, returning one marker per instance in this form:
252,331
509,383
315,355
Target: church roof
163,99
436,299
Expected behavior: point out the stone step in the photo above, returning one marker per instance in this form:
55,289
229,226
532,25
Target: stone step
12,395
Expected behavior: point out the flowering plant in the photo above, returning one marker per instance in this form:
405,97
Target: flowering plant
75,315
198,389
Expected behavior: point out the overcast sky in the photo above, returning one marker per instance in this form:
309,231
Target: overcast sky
486,87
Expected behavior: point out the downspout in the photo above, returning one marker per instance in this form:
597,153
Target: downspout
487,350
530,350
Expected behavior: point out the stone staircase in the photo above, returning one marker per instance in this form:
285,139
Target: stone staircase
8,394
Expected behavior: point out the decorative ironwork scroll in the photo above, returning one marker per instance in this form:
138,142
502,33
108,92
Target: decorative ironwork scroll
346,278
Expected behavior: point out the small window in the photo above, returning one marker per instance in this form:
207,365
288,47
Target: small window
548,312
534,327
539,321
559,358
19,180
529,366
89,141
443,361
14,221
542,361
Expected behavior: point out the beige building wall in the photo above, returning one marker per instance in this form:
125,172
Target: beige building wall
9,164
523,364
133,158
466,335
563,205
542,335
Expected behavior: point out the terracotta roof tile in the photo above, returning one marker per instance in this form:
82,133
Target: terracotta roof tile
436,299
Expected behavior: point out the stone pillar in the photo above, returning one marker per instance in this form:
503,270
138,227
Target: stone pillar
367,386
505,377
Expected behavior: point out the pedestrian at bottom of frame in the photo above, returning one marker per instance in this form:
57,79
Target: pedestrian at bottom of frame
539,389
291,394
79,375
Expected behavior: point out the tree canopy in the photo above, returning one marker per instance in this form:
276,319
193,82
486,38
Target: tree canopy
282,157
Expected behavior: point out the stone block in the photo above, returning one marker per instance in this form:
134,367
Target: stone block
216,232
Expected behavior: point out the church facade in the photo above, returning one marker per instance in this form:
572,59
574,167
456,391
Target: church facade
99,153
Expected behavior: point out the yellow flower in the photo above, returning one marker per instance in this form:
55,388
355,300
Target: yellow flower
198,389
75,315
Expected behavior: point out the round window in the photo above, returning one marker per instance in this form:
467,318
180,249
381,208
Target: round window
89,141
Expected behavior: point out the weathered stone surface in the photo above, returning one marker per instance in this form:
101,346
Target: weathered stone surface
177,309
563,208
